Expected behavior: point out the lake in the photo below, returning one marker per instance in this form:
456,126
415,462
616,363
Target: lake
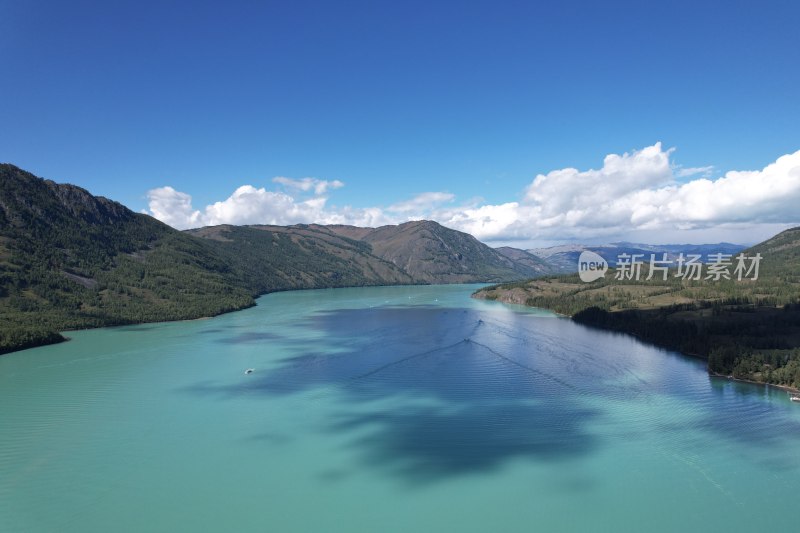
386,409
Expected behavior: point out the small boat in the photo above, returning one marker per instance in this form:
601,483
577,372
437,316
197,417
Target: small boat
794,397
249,370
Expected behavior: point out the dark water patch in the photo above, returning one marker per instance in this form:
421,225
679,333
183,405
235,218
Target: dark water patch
453,372
492,404
424,445
443,353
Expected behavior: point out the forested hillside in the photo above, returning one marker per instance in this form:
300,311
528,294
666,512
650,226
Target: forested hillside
71,260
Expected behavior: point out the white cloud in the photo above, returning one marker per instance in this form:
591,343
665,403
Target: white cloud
629,193
251,205
248,205
487,220
761,196
172,207
638,191
618,176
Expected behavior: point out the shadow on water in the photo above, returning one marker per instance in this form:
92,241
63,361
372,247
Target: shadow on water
481,407
428,393
421,445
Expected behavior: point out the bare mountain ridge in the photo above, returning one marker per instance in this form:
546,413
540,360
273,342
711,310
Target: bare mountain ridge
432,253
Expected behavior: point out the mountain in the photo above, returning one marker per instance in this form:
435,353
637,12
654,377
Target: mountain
781,255
523,257
292,257
432,253
564,258
71,260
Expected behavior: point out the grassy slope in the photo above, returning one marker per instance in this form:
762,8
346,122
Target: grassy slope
748,329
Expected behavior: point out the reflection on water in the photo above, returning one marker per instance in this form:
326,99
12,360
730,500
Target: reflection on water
403,408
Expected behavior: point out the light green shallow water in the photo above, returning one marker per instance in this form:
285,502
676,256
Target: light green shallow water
386,409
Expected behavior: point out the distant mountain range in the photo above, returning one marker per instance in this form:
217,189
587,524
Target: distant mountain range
69,260
564,259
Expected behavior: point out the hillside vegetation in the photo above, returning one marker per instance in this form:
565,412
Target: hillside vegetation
71,260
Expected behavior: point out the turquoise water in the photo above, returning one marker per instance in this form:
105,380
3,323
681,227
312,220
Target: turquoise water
386,409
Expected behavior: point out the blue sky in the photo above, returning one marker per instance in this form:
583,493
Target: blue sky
394,99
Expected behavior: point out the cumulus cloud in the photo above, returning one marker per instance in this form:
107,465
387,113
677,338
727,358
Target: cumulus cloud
568,188
173,207
641,190
248,205
504,221
638,191
251,205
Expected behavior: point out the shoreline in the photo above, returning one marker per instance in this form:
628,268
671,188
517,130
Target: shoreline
37,343
711,373
65,338
785,388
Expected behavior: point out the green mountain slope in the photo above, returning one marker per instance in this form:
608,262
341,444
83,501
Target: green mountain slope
72,260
